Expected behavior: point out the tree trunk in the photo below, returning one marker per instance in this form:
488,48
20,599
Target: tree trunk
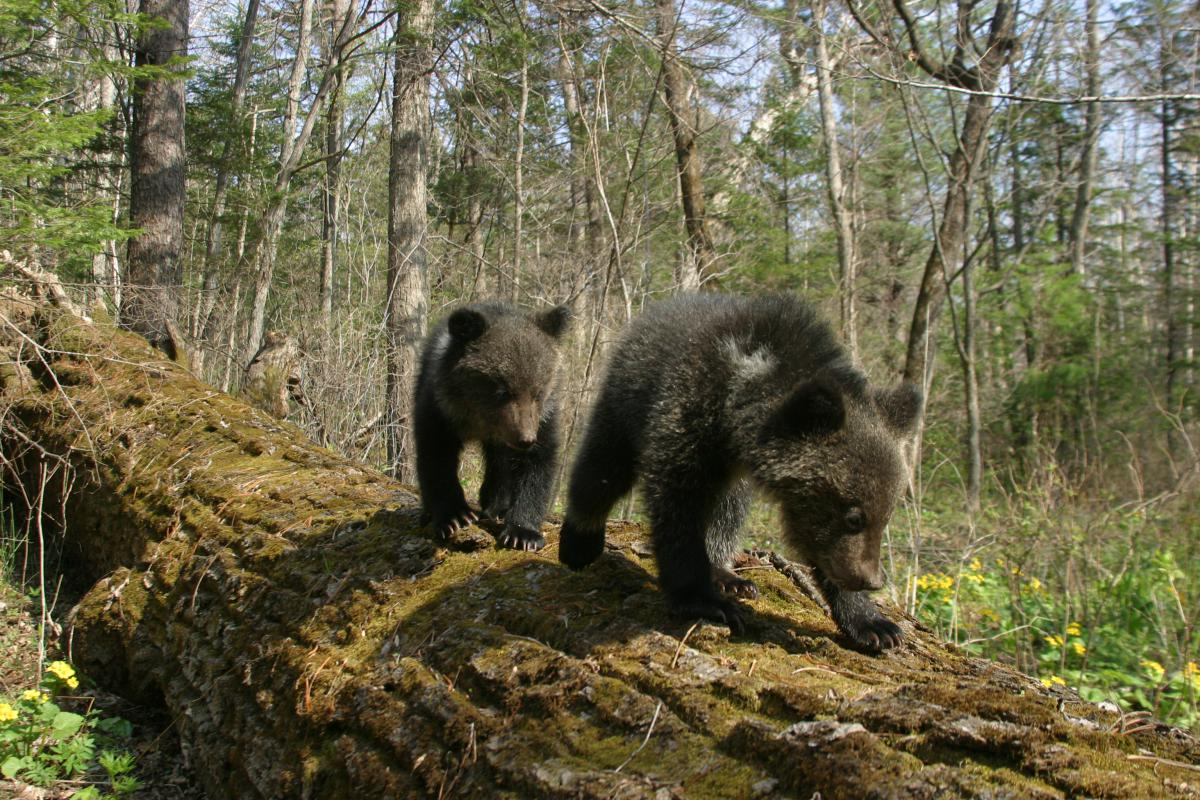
310,640
699,254
835,186
407,282
1091,144
213,241
331,197
157,191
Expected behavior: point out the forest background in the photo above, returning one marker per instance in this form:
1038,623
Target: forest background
996,199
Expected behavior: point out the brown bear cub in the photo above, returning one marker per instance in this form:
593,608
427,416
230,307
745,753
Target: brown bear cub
708,394
489,374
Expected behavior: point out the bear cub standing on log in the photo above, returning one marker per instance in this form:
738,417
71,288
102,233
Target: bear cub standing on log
488,374
704,392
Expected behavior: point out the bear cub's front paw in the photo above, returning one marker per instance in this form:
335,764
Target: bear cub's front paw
519,538
873,633
448,524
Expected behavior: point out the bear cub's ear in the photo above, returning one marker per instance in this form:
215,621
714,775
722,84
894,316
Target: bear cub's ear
467,324
555,321
814,408
900,407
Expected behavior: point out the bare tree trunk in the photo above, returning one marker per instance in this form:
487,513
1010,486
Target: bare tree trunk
213,244
157,191
836,190
519,179
408,294
291,151
678,90
1091,144
331,197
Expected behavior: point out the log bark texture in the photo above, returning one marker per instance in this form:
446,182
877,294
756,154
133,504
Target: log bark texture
313,641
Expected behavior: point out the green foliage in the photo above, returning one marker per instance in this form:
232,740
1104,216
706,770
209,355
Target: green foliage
1101,606
41,743
47,136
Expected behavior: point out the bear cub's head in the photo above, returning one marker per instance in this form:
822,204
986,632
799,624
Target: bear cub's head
832,455
502,371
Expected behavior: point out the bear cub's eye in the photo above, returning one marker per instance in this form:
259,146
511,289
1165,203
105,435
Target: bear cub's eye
856,520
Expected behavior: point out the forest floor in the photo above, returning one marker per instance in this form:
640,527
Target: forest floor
159,764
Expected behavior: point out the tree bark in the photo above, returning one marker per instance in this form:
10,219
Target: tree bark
699,255
407,304
311,640
157,191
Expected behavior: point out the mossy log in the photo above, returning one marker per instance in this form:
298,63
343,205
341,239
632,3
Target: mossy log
312,641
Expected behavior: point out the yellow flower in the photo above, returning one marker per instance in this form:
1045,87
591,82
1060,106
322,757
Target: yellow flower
989,615
974,578
1073,629
7,713
1191,671
64,671
1053,680
1079,647
34,694
976,565
1154,670
72,682
1053,641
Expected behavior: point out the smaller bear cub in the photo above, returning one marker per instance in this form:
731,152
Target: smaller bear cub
489,374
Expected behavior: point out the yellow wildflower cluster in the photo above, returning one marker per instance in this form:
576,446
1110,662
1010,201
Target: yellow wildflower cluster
7,713
64,672
1053,680
1079,647
989,614
1073,629
1154,670
935,580
1053,641
34,694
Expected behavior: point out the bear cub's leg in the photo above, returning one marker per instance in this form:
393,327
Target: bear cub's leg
679,524
723,540
438,450
518,485
604,473
858,617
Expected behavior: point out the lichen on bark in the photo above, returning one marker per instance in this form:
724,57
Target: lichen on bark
313,640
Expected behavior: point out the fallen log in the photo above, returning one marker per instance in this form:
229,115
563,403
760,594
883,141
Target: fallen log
313,641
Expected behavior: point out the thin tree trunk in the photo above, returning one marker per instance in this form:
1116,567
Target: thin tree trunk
950,235
519,179
836,190
331,197
700,254
291,151
1091,144
157,191
407,283
213,244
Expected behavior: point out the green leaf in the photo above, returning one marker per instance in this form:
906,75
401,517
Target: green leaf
66,724
14,765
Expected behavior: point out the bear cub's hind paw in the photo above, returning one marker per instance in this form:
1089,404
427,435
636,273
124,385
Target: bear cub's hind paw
730,583
520,538
714,607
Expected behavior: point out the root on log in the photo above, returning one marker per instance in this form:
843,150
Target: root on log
313,641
